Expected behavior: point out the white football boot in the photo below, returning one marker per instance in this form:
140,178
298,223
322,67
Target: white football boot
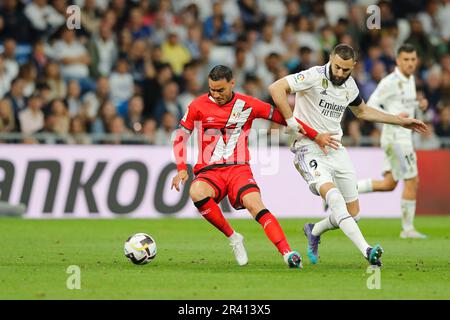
237,245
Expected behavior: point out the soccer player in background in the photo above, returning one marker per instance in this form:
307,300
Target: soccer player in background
223,119
397,94
322,95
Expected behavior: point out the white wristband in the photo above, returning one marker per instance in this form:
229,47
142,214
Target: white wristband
292,123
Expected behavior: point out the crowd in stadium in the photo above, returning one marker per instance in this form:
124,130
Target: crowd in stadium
134,66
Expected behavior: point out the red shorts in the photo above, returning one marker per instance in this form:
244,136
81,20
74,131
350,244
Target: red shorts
235,181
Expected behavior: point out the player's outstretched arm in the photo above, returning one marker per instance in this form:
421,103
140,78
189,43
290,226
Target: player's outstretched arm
180,153
322,139
367,113
279,90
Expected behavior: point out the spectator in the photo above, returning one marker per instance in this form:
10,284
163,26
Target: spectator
149,130
137,27
377,73
90,17
32,118
155,80
116,126
174,52
93,100
106,112
420,41
5,78
164,133
58,87
16,96
103,51
28,73
7,118
139,57
44,18
168,103
192,43
251,15
443,127
61,117
9,57
14,23
73,98
74,59
134,119
122,84
269,43
39,58
354,133
77,131
216,29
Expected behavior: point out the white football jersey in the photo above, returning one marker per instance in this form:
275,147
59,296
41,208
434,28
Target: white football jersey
397,94
318,102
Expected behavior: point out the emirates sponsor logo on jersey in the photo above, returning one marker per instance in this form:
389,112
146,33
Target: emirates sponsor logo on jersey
331,109
210,119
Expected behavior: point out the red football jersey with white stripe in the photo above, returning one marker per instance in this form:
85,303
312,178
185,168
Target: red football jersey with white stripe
223,130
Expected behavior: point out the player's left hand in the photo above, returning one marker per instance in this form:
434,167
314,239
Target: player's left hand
182,177
326,140
414,124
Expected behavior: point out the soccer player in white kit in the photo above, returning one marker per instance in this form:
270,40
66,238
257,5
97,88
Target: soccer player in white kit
322,95
397,94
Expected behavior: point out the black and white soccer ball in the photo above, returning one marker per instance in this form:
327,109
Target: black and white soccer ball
140,248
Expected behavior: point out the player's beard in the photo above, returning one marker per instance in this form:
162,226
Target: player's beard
335,80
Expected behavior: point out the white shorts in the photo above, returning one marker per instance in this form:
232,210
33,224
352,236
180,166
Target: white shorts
317,168
401,160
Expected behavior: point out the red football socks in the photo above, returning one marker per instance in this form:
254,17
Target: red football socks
273,230
209,209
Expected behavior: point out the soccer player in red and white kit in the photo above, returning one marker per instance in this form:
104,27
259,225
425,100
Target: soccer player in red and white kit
223,120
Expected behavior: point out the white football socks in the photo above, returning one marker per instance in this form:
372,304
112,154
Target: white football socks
365,186
344,220
323,226
408,213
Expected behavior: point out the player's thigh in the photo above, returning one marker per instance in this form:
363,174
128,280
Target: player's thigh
240,182
345,176
314,167
401,160
208,184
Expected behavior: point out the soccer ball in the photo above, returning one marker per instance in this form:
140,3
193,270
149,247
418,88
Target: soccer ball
140,248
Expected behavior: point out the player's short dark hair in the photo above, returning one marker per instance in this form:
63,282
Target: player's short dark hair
344,51
406,47
220,72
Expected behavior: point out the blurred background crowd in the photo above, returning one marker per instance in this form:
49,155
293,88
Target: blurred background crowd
129,72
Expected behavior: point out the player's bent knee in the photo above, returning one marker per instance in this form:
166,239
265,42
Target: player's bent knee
199,192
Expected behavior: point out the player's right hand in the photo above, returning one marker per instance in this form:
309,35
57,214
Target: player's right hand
182,176
326,140
294,127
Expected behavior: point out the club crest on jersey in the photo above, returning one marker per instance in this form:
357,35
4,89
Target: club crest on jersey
300,77
324,86
235,115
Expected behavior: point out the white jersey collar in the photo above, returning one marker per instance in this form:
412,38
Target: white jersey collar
327,71
401,75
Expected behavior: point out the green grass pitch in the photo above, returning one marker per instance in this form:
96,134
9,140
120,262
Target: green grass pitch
194,261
